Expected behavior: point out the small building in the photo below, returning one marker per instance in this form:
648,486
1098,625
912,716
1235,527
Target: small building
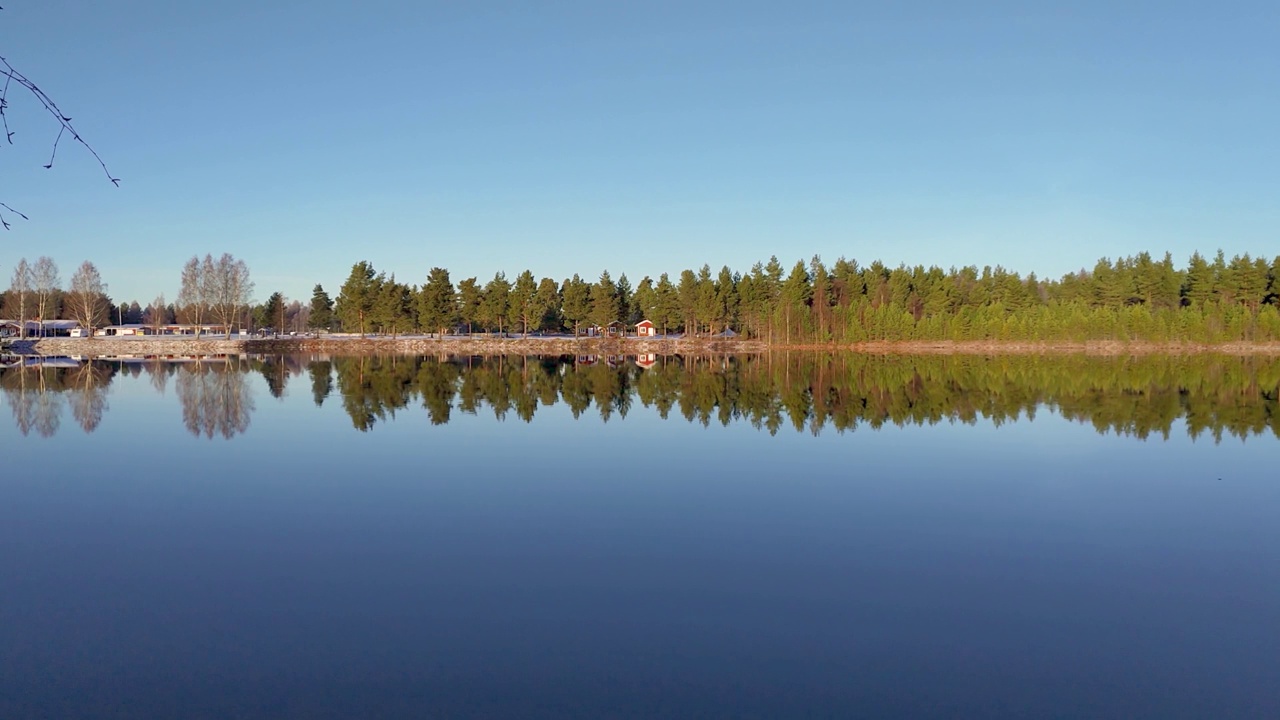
121,330
645,328
646,361
36,328
616,329
591,331
59,328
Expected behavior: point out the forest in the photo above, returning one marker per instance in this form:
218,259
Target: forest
1212,395
1133,298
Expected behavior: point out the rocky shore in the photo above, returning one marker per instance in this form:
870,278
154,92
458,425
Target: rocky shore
487,345
417,345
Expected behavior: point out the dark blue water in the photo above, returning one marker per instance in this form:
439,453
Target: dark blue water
639,567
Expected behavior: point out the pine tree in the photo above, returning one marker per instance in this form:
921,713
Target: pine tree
666,304
625,300
796,294
357,297
1200,284
687,297
321,310
524,301
605,305
726,298
707,311
273,312
549,305
437,302
470,297
576,295
495,308
643,302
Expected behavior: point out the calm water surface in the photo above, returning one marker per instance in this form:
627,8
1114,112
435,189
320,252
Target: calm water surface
809,536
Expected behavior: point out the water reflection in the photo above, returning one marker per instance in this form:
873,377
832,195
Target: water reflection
215,397
1215,395
809,392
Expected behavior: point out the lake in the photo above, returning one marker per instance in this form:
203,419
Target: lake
794,535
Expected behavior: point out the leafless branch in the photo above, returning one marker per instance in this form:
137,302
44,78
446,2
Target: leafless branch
12,76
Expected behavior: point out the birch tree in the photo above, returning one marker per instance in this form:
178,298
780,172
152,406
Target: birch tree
87,297
44,279
191,294
157,313
18,301
230,289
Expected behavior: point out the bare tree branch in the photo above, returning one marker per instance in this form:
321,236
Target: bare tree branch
12,76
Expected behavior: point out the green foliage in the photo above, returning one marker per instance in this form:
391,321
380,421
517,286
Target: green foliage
606,305
357,298
525,301
576,294
272,315
1135,298
322,316
495,303
437,303
470,296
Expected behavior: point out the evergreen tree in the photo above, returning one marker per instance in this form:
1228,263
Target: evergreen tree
605,305
666,304
549,304
437,302
576,295
393,305
357,297
470,297
524,300
707,311
687,297
273,313
796,294
1200,283
625,299
643,303
495,307
321,310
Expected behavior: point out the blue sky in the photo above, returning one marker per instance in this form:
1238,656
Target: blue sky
572,137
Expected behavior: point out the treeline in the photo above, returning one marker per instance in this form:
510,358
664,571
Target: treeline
36,293
213,291
1132,298
809,392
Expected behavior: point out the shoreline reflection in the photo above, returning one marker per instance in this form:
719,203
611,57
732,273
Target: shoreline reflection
1216,396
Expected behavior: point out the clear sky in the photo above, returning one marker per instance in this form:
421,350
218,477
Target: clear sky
569,137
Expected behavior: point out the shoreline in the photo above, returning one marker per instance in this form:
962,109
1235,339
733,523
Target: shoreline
417,345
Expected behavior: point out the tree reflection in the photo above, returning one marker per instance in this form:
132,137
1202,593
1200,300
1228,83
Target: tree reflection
216,397
814,392
87,393
38,389
33,406
1209,395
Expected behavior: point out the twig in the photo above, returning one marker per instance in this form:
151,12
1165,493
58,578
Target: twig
65,127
